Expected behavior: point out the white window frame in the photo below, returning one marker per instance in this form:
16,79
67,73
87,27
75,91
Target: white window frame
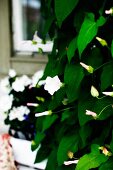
23,64
21,45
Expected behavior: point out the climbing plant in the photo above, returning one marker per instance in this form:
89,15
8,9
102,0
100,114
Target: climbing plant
75,125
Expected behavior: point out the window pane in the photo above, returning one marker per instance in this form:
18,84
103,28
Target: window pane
26,21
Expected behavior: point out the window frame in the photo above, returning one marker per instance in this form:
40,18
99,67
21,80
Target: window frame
23,64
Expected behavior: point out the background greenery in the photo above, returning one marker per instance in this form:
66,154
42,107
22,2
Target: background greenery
73,26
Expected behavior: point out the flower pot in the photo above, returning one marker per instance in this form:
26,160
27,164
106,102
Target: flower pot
23,154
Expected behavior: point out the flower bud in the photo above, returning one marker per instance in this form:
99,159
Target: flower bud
49,112
94,92
90,113
90,69
105,151
109,12
102,41
70,154
108,93
71,162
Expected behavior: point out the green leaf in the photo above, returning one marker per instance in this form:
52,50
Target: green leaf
107,76
112,48
61,14
72,77
104,106
42,153
71,49
57,99
48,25
87,32
85,132
107,165
97,56
48,121
111,144
101,21
83,105
91,160
52,161
65,115
68,143
38,138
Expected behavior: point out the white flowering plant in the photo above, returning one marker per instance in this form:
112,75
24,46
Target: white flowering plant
20,96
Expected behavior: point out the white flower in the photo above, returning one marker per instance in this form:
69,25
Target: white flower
90,69
12,73
25,80
94,92
20,83
90,113
52,84
6,103
19,113
5,85
70,162
43,113
36,77
108,93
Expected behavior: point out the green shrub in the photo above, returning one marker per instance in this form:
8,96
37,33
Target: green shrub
81,123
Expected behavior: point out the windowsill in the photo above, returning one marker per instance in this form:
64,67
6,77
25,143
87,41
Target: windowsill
29,47
27,57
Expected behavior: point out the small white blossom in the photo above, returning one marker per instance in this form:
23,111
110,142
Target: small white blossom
70,162
36,77
52,84
12,73
20,83
94,92
19,113
6,103
43,113
26,80
108,93
90,113
5,85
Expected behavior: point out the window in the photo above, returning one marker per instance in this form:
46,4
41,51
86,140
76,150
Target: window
23,63
26,21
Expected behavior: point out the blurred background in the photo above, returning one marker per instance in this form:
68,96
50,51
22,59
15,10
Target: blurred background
21,22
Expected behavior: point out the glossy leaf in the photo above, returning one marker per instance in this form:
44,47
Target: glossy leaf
61,14
91,160
71,49
48,121
72,77
68,143
107,76
87,32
